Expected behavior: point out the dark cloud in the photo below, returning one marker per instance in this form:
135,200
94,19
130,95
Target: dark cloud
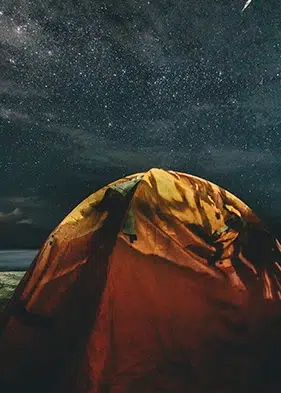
91,91
14,216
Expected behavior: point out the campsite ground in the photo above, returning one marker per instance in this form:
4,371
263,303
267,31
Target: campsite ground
8,283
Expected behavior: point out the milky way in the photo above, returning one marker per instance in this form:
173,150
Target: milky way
91,91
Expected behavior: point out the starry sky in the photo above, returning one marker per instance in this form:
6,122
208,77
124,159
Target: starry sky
95,90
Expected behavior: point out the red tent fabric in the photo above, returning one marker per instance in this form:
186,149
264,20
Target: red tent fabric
159,282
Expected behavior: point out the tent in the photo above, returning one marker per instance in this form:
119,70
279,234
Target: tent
158,282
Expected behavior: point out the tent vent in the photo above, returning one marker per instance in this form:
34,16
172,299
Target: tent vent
129,227
125,187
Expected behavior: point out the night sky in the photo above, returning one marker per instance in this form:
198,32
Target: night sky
95,90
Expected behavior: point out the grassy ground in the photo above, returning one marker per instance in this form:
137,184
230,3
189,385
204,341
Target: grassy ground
8,283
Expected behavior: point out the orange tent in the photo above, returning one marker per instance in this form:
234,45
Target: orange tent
159,282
